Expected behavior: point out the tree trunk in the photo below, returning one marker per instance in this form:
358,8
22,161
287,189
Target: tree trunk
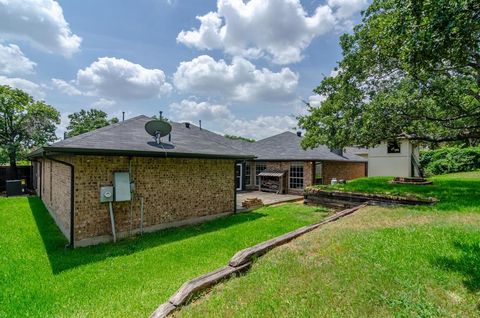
12,173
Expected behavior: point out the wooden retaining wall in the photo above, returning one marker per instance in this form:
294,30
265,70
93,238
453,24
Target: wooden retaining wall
346,199
241,261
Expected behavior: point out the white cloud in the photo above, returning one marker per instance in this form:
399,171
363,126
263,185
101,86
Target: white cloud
239,81
31,88
40,22
226,122
118,78
316,100
65,87
279,29
13,61
104,103
260,127
347,8
190,110
62,128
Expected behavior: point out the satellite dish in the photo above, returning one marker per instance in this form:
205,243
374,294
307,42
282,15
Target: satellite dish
158,128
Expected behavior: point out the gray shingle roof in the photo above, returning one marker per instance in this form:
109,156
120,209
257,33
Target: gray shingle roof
130,137
286,146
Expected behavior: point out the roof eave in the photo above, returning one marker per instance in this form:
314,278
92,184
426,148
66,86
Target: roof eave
139,153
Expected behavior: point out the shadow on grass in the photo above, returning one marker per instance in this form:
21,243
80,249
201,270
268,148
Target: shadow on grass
467,264
62,258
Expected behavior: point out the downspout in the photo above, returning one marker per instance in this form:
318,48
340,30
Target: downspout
234,187
72,197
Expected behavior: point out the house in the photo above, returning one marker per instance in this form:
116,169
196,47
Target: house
397,158
186,178
287,168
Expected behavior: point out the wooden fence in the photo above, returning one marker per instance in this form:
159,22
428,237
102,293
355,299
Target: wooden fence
24,172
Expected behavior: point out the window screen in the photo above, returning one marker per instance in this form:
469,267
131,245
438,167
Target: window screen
247,173
296,175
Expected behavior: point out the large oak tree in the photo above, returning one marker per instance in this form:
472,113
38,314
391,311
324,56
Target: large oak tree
88,120
24,123
410,69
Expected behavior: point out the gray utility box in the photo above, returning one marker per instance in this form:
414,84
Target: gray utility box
14,187
106,194
121,184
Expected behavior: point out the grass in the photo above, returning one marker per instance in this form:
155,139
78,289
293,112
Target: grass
40,278
456,192
379,262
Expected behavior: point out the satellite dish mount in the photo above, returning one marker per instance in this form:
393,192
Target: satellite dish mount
158,128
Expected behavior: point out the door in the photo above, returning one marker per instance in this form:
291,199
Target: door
238,176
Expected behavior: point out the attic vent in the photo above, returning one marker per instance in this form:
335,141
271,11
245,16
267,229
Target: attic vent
299,133
187,125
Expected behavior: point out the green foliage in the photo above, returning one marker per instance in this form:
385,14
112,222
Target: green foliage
412,69
450,159
41,278
26,123
88,120
233,137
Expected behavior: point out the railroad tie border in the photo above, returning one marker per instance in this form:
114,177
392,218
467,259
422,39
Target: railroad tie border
240,262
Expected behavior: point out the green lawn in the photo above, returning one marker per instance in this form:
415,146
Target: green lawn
378,262
456,192
40,278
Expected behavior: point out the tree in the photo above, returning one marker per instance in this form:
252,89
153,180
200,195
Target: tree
88,120
24,123
233,137
410,69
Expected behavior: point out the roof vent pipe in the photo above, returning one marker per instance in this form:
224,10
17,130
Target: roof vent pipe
299,133
187,125
200,124
65,135
123,117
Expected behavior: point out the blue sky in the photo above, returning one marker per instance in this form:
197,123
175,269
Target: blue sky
242,67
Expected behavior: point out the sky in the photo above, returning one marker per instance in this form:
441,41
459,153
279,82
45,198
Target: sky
242,67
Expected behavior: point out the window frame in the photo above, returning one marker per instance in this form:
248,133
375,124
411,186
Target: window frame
296,175
394,147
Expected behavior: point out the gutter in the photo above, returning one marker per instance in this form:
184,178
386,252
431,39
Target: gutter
72,196
136,153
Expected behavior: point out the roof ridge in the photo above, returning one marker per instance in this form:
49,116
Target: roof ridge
104,128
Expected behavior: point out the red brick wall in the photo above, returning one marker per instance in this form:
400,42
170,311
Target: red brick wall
342,170
55,191
173,189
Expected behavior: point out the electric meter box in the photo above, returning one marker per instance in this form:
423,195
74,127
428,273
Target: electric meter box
121,185
106,194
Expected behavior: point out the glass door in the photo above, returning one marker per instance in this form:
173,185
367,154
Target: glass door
238,176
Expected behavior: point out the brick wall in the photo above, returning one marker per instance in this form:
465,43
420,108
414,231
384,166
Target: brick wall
308,173
173,189
343,170
55,191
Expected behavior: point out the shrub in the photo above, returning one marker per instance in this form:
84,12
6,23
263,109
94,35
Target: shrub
450,159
